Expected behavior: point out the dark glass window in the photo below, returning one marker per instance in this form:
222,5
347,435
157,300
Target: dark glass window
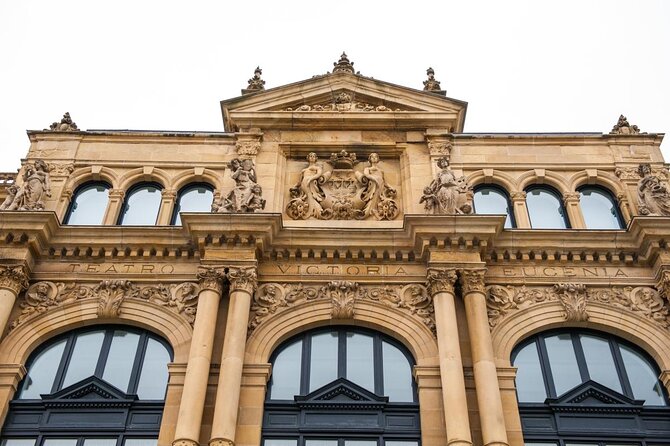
193,198
111,380
599,208
141,205
576,385
88,204
545,208
346,386
493,200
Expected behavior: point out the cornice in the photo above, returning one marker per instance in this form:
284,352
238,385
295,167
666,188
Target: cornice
134,136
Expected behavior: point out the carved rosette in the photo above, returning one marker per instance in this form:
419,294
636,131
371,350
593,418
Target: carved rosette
472,280
13,278
441,280
111,294
211,278
243,279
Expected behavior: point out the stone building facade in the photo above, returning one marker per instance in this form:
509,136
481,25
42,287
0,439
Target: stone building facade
348,280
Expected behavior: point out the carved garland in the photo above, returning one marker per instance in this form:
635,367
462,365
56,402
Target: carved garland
44,296
645,301
272,298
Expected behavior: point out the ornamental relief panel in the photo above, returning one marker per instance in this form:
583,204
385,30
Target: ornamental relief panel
503,301
271,298
45,296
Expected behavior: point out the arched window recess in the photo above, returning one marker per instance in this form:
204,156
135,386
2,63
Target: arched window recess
88,205
492,199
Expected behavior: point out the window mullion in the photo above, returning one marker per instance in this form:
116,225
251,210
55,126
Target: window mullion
104,353
306,364
378,364
341,354
546,368
64,362
581,359
137,364
621,369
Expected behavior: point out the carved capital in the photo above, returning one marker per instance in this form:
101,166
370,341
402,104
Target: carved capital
117,194
663,285
169,194
13,278
247,148
184,442
518,196
441,280
243,279
571,197
211,278
472,280
440,148
221,442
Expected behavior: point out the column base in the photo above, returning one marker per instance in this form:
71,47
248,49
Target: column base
184,442
458,442
221,442
496,443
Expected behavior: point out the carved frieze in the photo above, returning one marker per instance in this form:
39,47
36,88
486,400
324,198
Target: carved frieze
13,278
247,147
60,170
44,296
342,102
336,191
247,194
653,193
440,148
644,301
272,298
30,195
447,194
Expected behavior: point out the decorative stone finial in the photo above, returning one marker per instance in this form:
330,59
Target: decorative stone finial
65,125
622,127
343,65
431,84
255,83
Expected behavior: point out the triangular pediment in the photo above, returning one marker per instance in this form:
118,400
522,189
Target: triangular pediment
341,392
592,394
91,388
347,99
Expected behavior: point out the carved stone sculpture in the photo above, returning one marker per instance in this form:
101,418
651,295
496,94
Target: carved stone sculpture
66,124
337,191
431,84
247,194
622,127
181,298
653,193
29,196
342,296
111,294
256,83
447,194
343,65
573,298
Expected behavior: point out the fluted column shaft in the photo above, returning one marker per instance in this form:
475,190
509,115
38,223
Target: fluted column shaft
441,287
242,286
13,279
489,401
192,405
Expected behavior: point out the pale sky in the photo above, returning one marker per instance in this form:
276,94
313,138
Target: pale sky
522,66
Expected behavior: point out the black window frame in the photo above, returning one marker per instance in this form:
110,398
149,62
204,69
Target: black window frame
504,193
134,188
613,199
553,191
78,190
181,193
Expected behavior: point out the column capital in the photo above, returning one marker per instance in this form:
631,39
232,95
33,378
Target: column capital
169,194
211,278
472,280
518,196
117,193
13,278
571,197
441,280
243,279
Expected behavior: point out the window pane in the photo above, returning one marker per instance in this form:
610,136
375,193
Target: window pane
194,199
120,360
89,205
320,442
563,362
529,380
544,209
42,372
60,442
141,206
154,374
280,442
359,443
141,442
360,360
489,200
84,357
286,374
642,378
397,374
18,442
100,442
600,362
599,209
323,364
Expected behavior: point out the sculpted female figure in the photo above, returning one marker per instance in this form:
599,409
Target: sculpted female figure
246,196
307,195
377,194
36,185
446,194
652,192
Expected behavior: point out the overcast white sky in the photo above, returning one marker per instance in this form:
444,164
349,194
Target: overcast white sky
523,66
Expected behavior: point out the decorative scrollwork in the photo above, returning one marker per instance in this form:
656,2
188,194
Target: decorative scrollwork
181,298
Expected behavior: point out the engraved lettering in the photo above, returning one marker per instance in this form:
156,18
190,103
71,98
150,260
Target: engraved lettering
508,272
311,269
590,272
569,272
92,269
532,273
167,269
620,273
332,269
281,268
373,270
356,270
74,266
111,269
147,268
128,266
546,271
400,271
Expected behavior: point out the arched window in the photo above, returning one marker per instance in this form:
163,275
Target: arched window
103,386
88,204
545,208
589,388
341,387
193,198
599,208
493,200
141,205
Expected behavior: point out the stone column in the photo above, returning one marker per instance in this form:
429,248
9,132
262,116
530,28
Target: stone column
13,279
520,210
441,287
114,206
489,400
624,208
167,207
575,216
187,431
242,286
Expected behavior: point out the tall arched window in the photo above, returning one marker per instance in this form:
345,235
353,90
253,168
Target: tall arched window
545,208
341,387
599,208
193,198
493,200
103,386
589,388
88,204
141,205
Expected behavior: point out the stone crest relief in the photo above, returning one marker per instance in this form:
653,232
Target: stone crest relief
336,190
